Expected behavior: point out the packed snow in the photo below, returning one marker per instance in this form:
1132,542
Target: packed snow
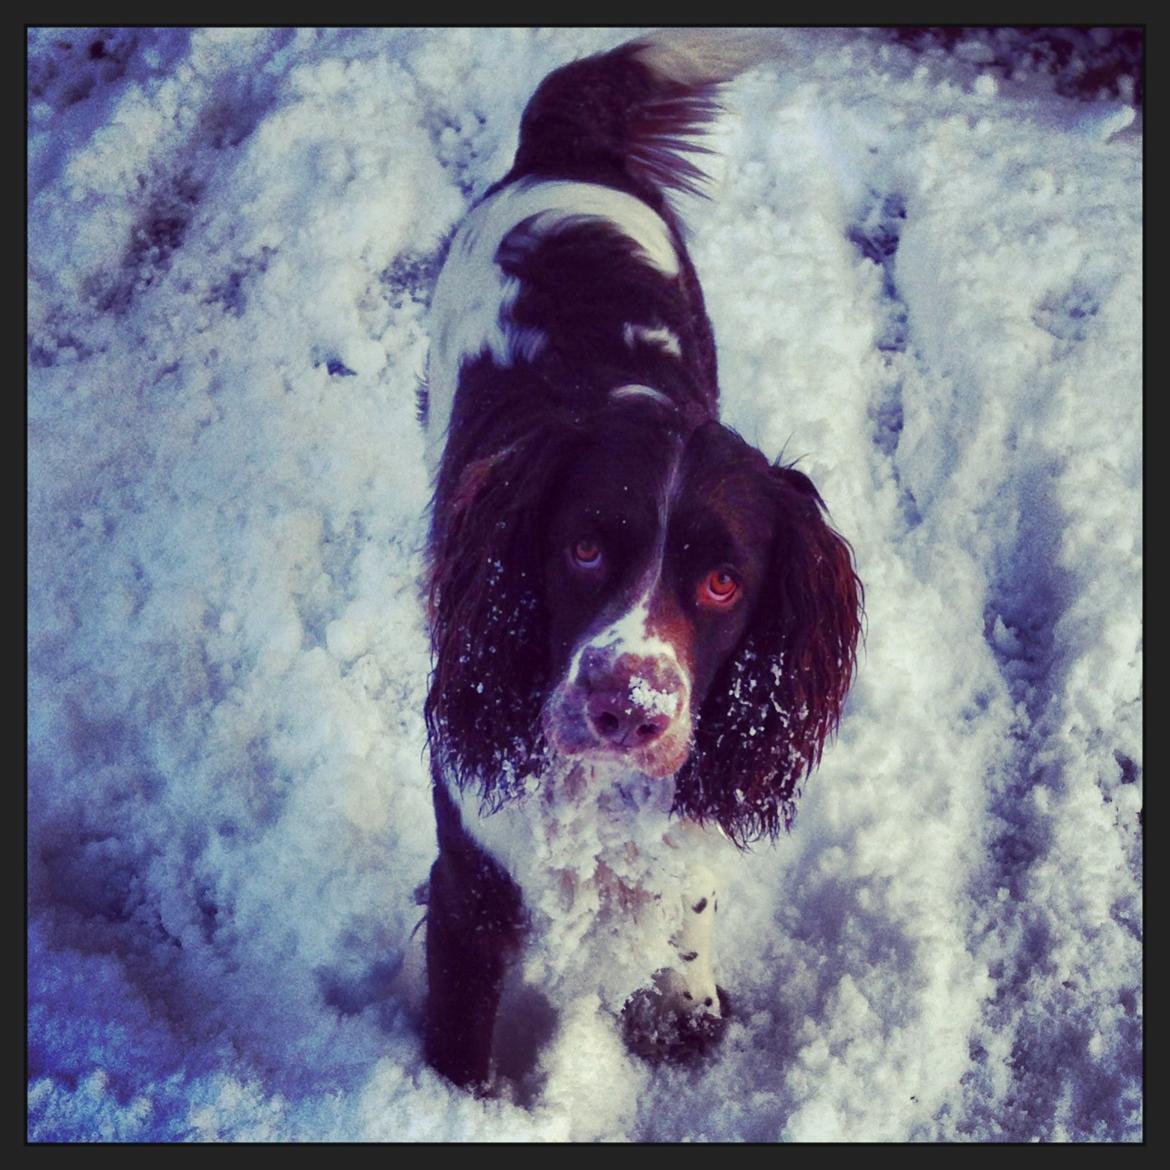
922,256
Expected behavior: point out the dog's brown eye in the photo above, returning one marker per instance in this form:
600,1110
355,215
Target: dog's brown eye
719,587
585,554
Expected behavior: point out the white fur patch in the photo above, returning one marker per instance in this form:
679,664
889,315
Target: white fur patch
695,942
471,308
658,335
609,880
630,634
640,392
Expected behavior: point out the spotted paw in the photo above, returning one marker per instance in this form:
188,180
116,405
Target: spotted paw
656,1028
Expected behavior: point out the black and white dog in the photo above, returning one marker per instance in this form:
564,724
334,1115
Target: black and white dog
643,631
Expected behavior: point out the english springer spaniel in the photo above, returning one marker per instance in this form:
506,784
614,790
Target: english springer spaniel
643,631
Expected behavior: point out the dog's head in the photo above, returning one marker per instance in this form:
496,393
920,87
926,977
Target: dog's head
623,588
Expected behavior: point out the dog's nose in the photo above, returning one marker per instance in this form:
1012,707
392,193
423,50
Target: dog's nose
619,721
630,701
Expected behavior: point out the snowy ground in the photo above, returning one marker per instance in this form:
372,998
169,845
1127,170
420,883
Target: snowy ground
924,265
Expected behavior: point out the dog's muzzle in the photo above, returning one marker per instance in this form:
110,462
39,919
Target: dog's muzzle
624,707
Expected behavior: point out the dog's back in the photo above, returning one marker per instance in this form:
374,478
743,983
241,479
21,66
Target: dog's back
574,260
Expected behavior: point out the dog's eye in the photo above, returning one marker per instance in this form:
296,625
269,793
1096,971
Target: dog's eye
585,554
718,587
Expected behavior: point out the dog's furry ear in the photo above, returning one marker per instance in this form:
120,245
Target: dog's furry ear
779,697
488,620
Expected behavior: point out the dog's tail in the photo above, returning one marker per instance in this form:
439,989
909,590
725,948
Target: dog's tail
631,116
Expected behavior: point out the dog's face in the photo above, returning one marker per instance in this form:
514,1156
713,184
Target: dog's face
627,585
655,552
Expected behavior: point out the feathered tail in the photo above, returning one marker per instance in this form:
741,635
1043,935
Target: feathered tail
633,115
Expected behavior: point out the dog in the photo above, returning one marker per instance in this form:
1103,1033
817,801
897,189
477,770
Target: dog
643,631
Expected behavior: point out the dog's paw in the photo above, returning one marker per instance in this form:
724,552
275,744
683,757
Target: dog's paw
659,1026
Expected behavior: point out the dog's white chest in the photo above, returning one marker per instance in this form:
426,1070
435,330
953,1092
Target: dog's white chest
605,875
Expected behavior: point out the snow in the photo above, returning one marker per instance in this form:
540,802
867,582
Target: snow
651,700
923,261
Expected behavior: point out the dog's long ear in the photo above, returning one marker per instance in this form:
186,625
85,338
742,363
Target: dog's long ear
779,697
488,619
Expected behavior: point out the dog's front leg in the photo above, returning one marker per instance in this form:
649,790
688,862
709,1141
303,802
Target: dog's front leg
474,928
693,980
682,1014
